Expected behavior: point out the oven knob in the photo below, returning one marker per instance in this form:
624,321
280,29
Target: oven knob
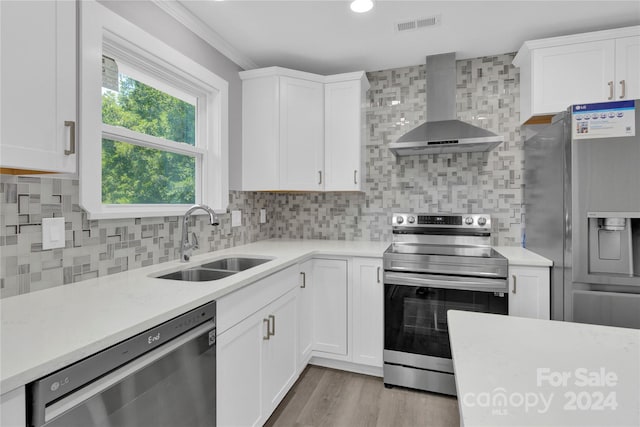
411,219
482,221
399,220
468,220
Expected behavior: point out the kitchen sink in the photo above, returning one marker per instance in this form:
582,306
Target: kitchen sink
235,264
214,270
197,275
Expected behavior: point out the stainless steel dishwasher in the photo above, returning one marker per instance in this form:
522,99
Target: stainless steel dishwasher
165,376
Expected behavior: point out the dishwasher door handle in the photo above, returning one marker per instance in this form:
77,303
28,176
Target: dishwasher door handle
102,384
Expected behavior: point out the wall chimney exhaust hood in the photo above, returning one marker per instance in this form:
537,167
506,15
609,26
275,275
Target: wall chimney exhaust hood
443,132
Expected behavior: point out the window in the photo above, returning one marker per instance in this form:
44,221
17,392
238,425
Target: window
154,137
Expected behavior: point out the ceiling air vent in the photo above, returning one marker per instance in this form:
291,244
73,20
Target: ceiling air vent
417,24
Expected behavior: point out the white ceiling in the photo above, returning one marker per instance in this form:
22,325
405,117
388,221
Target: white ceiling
325,37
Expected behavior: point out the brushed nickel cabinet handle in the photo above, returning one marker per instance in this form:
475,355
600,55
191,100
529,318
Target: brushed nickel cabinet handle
610,90
623,84
378,274
267,322
514,283
273,324
319,177
304,280
355,176
72,137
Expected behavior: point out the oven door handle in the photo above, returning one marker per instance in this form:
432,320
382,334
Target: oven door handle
445,282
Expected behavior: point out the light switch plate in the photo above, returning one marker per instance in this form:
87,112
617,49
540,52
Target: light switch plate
53,233
236,218
263,216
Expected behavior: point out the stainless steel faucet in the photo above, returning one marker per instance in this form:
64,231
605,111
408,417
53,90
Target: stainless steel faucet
187,247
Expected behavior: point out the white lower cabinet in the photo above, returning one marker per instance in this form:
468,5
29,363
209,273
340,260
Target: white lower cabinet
330,306
279,370
13,411
529,293
368,311
331,309
305,314
239,366
256,349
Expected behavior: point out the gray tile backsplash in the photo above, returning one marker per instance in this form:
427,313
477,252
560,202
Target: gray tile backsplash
100,247
487,95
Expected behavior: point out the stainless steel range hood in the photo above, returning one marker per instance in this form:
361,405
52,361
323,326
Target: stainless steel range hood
443,132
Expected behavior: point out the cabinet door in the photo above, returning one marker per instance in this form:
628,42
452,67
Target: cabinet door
38,84
301,134
260,134
239,372
305,314
368,326
13,408
279,351
572,74
628,68
529,292
343,136
330,306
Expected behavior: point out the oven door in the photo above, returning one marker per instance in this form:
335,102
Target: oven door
415,314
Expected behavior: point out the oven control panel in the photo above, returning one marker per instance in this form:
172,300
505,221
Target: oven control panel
421,220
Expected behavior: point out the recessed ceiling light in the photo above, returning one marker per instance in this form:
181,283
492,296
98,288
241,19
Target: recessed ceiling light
361,6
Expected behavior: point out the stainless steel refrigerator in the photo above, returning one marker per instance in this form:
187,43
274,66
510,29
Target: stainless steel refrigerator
582,211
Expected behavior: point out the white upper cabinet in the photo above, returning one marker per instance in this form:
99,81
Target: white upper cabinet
38,85
344,129
301,134
628,67
302,131
584,68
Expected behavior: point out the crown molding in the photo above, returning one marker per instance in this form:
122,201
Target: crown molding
194,24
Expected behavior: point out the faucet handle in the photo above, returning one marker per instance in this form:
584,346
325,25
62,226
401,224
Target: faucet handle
194,238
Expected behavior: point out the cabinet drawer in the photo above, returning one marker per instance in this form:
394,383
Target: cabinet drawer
239,305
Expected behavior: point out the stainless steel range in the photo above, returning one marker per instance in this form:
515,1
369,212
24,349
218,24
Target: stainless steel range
436,263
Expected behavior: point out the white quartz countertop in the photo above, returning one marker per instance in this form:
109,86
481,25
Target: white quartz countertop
523,257
47,330
44,331
528,372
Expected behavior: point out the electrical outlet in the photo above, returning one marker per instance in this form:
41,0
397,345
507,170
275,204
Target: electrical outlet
236,218
263,216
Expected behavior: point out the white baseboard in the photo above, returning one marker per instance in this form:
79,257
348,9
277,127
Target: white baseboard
342,365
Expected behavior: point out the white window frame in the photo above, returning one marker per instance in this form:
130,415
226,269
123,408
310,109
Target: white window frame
103,32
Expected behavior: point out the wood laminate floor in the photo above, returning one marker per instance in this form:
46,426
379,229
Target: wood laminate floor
331,398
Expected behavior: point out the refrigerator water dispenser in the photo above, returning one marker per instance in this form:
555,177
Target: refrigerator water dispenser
611,246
